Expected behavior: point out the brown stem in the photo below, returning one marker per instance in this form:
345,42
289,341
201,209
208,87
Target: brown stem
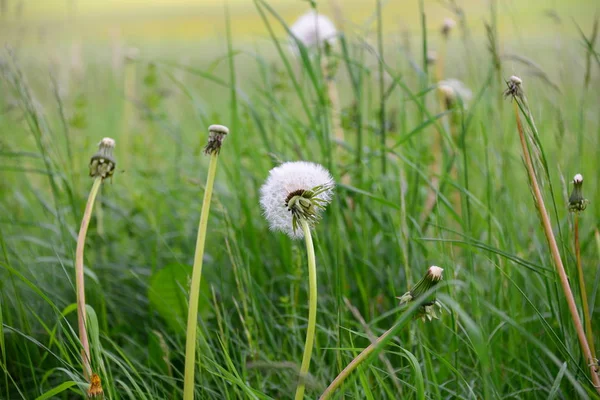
80,280
564,280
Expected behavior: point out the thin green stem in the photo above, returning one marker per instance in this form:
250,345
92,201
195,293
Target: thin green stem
337,382
79,277
312,309
192,323
584,300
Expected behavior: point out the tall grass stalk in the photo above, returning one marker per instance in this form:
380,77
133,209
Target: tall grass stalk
79,277
312,309
214,144
584,299
547,225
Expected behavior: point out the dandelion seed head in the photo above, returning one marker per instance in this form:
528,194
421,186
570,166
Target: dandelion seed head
431,57
578,178
289,182
312,29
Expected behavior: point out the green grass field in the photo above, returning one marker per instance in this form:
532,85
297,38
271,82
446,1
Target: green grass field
505,330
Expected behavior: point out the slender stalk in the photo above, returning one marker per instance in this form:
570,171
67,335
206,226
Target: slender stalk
564,280
337,382
79,277
192,323
584,300
312,309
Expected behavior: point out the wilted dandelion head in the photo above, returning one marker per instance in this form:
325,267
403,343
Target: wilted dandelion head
102,163
216,134
514,87
447,26
454,90
312,29
294,191
95,389
576,201
429,309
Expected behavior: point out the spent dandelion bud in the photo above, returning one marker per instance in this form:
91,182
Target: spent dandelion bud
312,29
102,164
576,201
514,87
427,310
215,138
454,90
294,191
447,27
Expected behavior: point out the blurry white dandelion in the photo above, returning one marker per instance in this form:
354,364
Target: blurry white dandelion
295,191
312,29
453,90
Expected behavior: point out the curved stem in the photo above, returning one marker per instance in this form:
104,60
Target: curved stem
79,277
337,382
564,280
584,301
192,322
312,309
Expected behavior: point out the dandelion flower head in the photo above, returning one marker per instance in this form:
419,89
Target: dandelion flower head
295,190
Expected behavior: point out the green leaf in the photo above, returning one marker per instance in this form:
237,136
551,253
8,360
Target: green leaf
168,294
59,389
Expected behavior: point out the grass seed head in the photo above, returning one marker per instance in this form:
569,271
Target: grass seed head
215,139
295,191
103,163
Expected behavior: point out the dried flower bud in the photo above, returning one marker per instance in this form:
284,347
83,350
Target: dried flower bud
95,389
431,278
576,201
215,138
447,26
514,89
453,90
102,164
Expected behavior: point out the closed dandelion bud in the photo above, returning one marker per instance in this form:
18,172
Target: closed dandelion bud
447,26
215,139
102,164
576,201
295,191
427,310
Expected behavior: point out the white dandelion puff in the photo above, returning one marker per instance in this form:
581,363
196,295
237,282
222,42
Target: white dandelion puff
312,29
453,89
293,191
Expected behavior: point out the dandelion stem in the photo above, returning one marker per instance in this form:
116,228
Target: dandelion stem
79,277
192,323
584,301
337,382
564,280
312,309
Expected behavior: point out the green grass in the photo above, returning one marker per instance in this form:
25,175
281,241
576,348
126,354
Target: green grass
505,331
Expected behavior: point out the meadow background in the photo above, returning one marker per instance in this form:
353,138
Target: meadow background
154,75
